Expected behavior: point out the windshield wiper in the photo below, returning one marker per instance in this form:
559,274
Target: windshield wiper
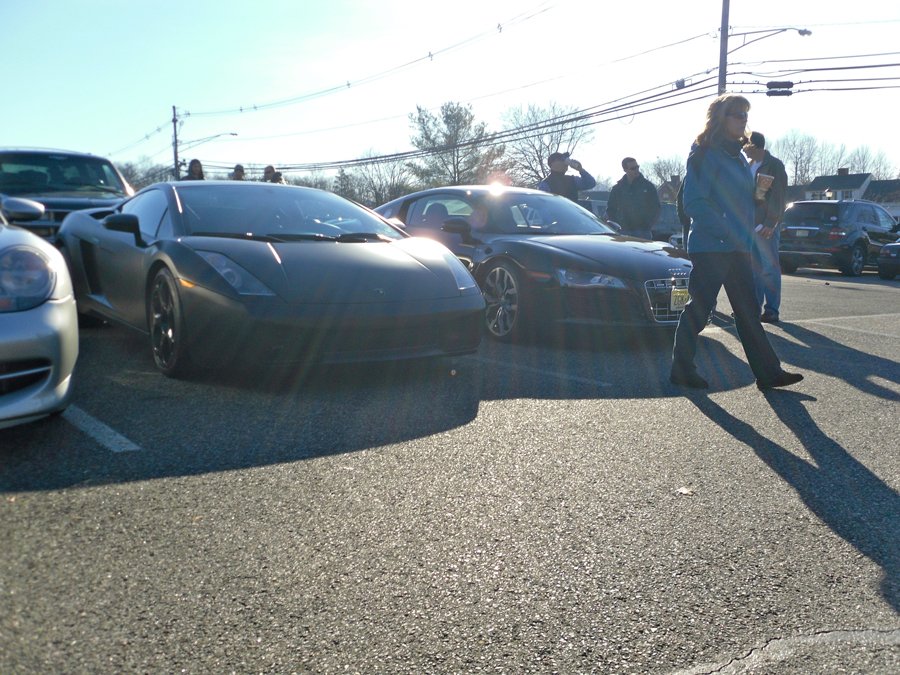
249,236
362,236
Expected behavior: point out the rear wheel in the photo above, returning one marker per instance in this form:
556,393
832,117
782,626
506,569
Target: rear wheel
886,275
504,296
856,262
788,267
165,317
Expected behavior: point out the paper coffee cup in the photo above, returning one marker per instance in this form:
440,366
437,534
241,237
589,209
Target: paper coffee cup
763,183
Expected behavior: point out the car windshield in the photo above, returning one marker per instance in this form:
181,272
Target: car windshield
811,212
279,212
33,173
529,213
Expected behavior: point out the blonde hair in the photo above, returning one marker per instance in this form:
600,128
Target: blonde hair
718,110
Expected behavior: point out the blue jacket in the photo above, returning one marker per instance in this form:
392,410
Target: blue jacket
583,181
718,196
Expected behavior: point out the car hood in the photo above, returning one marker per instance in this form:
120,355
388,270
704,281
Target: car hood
620,254
332,272
72,202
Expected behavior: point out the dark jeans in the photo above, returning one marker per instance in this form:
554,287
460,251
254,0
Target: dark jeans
711,271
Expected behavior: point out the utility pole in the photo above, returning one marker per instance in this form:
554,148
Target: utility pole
175,140
723,47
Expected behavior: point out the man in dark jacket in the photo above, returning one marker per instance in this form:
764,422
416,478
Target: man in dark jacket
769,209
560,183
633,202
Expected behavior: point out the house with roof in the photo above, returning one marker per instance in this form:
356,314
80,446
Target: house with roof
846,185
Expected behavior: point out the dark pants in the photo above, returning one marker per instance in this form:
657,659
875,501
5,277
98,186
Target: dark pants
710,272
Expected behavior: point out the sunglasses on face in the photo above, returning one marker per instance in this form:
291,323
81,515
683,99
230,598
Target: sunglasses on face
738,115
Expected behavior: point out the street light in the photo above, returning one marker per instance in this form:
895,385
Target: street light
723,45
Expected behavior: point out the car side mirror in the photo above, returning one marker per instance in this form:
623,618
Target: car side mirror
17,209
457,226
396,222
125,222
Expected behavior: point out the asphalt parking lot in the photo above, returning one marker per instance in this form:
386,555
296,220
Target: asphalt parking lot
548,507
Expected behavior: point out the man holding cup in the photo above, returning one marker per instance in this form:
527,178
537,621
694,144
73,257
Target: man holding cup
769,199
561,183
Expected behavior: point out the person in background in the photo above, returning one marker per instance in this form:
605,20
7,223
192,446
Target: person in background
238,172
195,171
633,202
769,209
718,197
278,178
268,173
559,182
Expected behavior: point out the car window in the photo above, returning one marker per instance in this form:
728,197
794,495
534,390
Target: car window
45,172
866,215
885,220
541,213
279,211
149,207
432,211
811,213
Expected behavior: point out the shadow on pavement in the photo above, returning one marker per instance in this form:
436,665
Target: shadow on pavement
851,500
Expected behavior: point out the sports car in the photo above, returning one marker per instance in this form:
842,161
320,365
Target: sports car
543,260
225,272
38,320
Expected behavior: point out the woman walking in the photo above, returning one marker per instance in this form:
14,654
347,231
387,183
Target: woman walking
718,197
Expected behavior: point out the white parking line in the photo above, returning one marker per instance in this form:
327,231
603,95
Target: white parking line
109,438
540,371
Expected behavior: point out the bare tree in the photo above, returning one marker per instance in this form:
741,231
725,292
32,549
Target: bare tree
459,150
380,182
661,170
142,173
798,152
314,179
541,132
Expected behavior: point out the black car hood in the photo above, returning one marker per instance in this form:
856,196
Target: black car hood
332,272
619,254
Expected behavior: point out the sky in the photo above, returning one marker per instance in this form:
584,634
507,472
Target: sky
303,82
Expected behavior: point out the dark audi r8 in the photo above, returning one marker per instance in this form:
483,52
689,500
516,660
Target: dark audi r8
542,259
219,272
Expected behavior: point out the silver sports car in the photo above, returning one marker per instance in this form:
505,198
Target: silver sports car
38,321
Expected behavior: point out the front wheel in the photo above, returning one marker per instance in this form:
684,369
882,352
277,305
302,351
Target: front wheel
504,296
165,318
856,262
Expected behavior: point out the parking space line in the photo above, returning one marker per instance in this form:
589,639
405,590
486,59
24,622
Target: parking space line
541,371
107,437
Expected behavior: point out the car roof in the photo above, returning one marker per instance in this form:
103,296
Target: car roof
49,151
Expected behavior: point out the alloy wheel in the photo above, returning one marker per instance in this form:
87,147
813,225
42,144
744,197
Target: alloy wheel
501,293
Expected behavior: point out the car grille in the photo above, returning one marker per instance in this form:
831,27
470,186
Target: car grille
17,375
659,293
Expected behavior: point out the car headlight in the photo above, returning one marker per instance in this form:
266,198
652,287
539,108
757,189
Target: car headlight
464,278
239,278
584,279
27,279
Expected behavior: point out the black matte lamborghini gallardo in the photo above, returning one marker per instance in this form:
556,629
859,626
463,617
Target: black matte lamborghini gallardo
221,272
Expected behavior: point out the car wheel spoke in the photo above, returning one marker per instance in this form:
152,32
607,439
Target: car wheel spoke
502,297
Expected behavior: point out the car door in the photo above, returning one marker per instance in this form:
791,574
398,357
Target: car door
887,227
867,219
427,215
120,259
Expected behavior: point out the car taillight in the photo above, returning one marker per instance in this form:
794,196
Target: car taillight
837,233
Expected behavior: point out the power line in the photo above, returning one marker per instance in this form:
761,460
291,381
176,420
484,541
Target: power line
519,18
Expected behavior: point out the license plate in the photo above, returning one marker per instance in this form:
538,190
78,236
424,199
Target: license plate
802,233
678,299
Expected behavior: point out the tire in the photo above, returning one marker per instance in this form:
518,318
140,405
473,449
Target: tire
504,315
855,262
165,319
788,267
887,276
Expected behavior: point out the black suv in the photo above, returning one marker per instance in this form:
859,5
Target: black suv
60,180
844,234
